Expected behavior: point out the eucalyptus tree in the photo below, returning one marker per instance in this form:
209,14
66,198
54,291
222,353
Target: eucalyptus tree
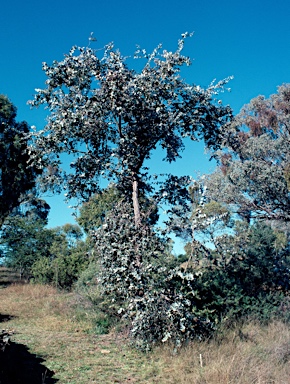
24,238
93,212
16,178
110,118
254,172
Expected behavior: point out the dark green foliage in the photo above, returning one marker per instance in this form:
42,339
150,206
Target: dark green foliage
253,280
67,258
61,270
24,240
48,256
92,213
16,178
43,271
268,265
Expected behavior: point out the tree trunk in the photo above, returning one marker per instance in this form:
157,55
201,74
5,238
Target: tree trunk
137,216
137,213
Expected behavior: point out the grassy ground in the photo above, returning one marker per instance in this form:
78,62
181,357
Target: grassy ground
53,343
44,321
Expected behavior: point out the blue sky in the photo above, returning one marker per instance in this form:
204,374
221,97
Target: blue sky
248,39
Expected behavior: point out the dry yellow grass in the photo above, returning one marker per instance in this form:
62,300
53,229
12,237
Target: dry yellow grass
44,320
253,354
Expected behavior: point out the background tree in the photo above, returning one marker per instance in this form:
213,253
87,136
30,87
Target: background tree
51,256
110,118
253,176
16,178
93,212
67,258
24,237
245,275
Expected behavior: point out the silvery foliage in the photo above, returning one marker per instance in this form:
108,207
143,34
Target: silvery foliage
127,255
198,219
213,224
253,177
159,302
216,241
169,313
109,118
174,194
216,229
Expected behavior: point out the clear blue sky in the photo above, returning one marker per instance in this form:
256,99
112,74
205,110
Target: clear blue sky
249,39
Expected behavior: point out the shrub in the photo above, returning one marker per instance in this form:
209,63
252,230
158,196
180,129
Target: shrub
169,313
42,271
62,271
137,280
250,281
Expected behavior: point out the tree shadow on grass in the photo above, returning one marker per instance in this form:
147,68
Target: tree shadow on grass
19,366
4,317
5,284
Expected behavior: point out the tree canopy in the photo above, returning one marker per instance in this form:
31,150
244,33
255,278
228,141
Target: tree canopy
16,178
253,176
24,239
110,118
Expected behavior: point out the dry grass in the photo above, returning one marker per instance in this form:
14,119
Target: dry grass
251,354
45,321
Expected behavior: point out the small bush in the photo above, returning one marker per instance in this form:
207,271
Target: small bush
61,271
168,315
42,271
